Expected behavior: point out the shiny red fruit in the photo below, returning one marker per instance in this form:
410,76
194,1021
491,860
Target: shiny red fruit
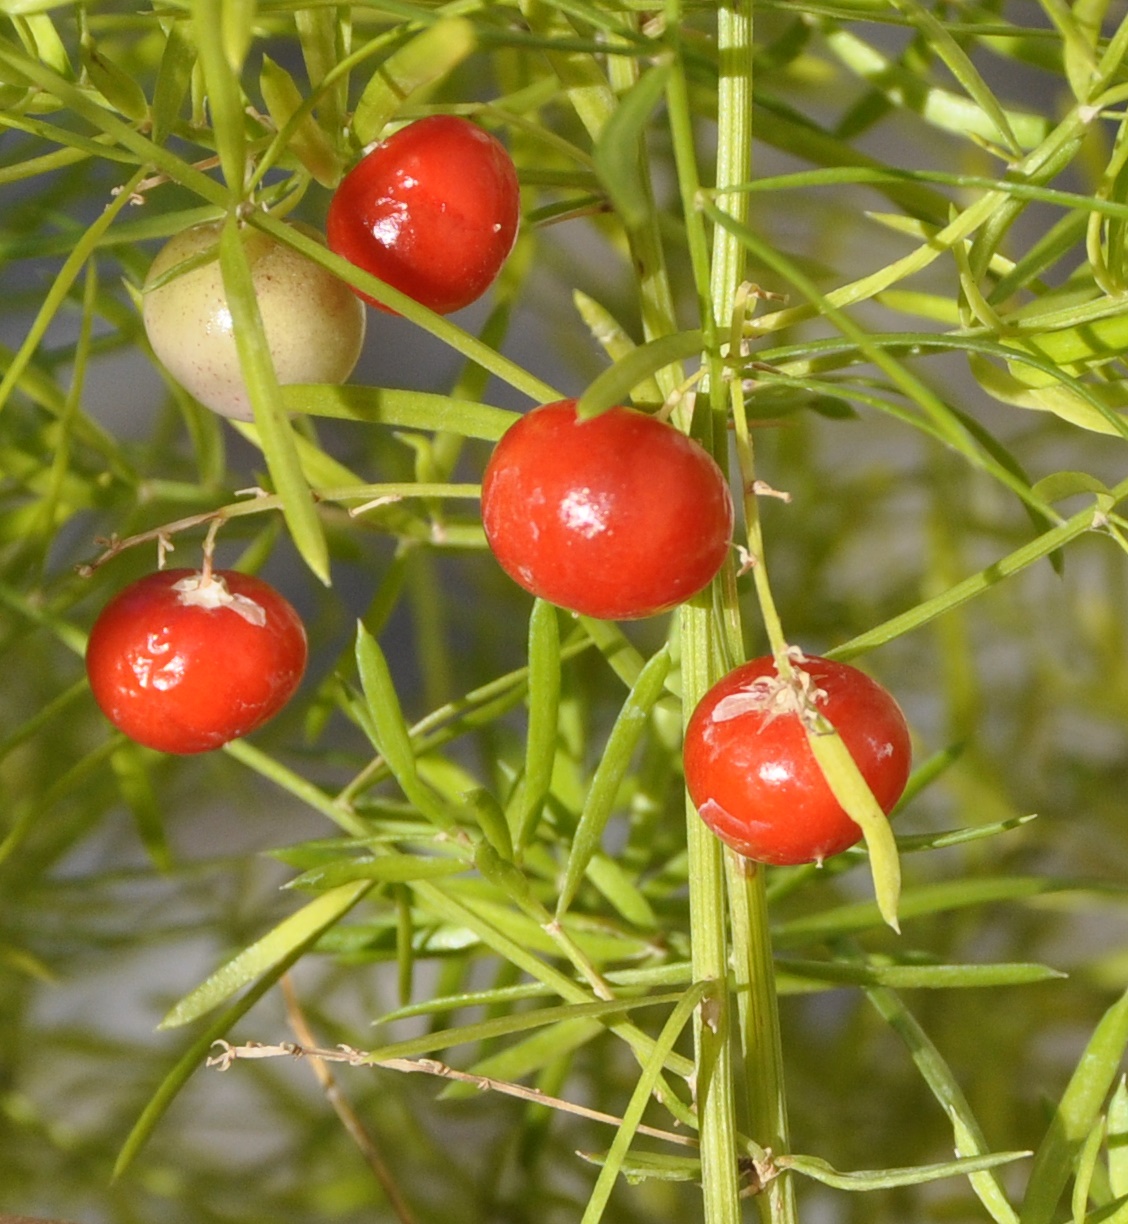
432,211
750,770
184,663
617,517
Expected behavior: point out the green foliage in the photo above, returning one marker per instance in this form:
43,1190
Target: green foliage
873,255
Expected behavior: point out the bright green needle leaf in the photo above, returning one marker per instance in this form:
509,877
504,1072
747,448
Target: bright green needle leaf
49,46
389,868
1077,1111
969,1139
615,385
544,706
119,89
612,337
550,1019
884,1179
925,899
924,305
610,772
406,409
211,22
393,740
640,1099
297,931
918,977
1045,544
618,160
308,142
275,431
237,29
943,44
958,837
189,1062
850,789
979,113
1085,1168
638,1167
1101,410
173,78
491,820
1118,1140
425,59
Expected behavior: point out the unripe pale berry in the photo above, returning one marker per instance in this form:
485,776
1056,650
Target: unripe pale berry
314,324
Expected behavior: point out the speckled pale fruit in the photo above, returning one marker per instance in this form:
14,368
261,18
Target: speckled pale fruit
314,323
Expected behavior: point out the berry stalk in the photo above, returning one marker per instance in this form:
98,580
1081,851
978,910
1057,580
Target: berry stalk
710,646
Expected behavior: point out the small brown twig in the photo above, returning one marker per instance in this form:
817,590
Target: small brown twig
138,197
762,489
209,547
229,1054
342,1108
163,534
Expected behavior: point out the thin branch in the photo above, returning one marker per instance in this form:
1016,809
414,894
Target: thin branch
343,1109
229,1054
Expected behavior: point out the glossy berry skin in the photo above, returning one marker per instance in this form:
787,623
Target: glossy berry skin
432,211
753,778
184,664
616,517
314,325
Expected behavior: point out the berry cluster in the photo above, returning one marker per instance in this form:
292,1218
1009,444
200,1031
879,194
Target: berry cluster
616,517
185,661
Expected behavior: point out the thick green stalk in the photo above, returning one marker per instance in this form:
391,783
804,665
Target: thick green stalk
708,647
753,971
712,1027
752,963
702,663
754,980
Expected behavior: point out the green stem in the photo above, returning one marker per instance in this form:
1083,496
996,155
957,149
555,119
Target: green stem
754,981
751,936
701,666
746,460
762,1059
708,645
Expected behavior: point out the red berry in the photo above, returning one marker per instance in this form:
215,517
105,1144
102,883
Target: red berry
183,663
432,211
750,770
616,517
